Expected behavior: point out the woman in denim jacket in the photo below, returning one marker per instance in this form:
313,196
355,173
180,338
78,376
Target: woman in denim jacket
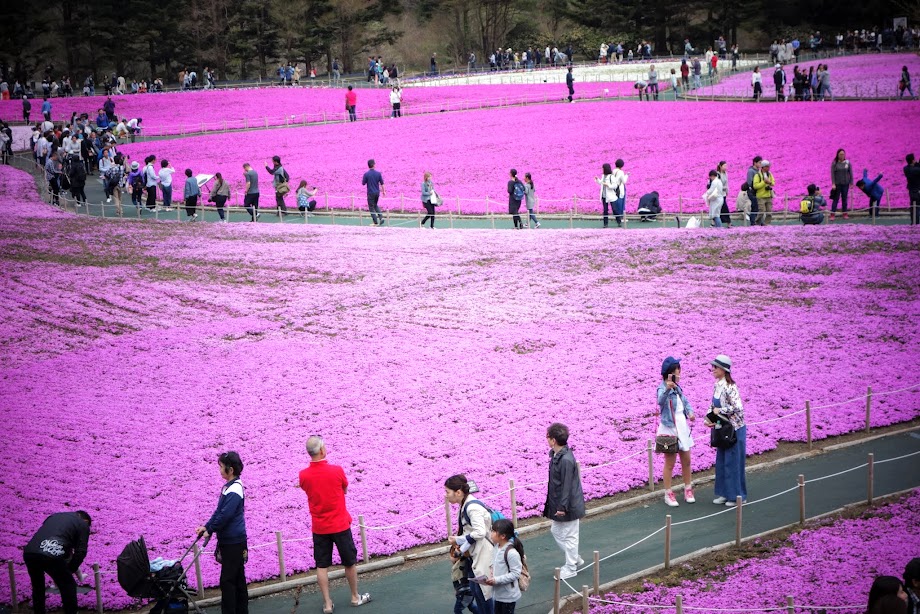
675,416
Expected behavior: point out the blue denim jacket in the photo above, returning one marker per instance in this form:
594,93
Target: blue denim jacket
666,404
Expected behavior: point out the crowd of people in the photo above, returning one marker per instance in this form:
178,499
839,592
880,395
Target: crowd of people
69,153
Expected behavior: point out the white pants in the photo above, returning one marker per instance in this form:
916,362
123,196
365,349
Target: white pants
566,536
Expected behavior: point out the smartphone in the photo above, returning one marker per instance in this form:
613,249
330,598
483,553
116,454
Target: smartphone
671,378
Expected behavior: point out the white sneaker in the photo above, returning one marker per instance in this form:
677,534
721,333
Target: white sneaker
565,573
108,200
581,561
732,503
719,500
670,499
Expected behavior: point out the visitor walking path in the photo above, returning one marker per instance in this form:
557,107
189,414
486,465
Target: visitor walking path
426,587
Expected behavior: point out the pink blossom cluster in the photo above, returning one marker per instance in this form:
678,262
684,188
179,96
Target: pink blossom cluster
172,113
829,565
856,76
564,147
135,352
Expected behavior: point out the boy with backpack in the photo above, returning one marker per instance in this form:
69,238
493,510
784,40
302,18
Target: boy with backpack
811,205
516,192
873,190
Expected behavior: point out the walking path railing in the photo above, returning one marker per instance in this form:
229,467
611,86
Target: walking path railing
403,211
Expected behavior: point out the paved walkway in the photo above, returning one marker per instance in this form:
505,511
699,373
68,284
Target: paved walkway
427,588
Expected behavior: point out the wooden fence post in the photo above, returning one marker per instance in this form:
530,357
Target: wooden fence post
808,422
801,499
679,604
870,479
868,408
667,541
281,570
447,513
14,599
513,502
556,576
790,605
738,506
651,465
198,572
363,529
585,601
97,578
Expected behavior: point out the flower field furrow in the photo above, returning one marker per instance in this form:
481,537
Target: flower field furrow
469,154
139,351
830,565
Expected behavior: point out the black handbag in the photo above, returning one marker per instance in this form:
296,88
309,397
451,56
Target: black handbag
723,435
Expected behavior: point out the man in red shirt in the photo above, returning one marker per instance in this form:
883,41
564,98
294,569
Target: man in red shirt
326,485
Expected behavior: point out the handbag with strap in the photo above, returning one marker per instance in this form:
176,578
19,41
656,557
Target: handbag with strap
283,188
722,435
435,199
666,444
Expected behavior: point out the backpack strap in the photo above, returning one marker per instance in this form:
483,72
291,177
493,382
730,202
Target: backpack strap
466,516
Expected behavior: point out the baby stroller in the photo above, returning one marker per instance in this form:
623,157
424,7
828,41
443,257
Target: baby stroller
168,586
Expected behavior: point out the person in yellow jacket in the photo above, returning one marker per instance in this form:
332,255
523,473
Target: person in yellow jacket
763,188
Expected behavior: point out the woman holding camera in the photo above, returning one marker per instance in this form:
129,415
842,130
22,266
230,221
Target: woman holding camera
727,408
673,437
228,524
471,545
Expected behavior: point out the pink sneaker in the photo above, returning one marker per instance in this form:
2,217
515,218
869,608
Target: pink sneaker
670,500
688,495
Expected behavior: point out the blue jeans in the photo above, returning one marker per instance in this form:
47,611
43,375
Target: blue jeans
619,206
167,195
730,479
533,218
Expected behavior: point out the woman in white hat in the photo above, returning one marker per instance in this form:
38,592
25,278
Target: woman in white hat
727,406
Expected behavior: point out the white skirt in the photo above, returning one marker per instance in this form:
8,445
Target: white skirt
681,430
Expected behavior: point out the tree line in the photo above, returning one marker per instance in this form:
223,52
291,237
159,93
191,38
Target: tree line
245,39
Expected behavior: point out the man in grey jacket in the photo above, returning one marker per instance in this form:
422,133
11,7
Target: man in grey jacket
565,500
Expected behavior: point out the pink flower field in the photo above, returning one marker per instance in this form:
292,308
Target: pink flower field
136,352
200,111
667,146
830,565
856,76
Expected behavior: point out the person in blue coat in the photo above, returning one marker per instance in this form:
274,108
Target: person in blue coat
873,190
229,525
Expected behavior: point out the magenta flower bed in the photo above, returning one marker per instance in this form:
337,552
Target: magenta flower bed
831,566
135,352
564,147
199,111
859,76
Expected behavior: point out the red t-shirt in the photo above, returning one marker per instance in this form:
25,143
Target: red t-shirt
325,486
351,98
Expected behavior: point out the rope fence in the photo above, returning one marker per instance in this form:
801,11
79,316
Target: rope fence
591,594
